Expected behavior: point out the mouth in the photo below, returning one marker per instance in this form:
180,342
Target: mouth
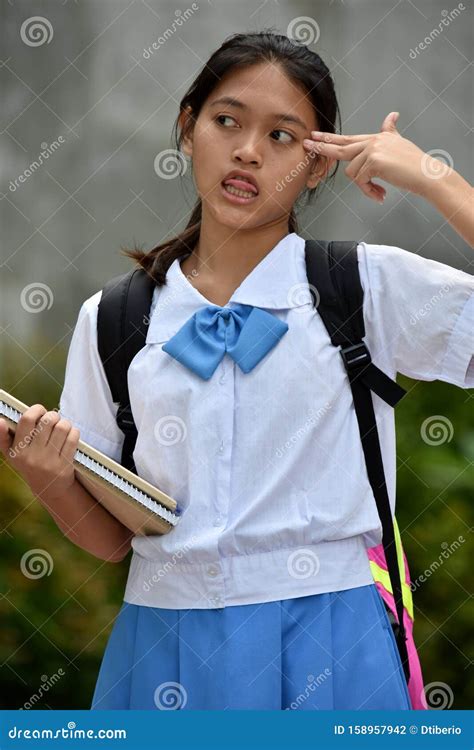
239,188
235,195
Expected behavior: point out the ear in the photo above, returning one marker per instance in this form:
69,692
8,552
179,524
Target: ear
184,121
319,170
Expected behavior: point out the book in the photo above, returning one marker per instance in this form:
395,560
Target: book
139,505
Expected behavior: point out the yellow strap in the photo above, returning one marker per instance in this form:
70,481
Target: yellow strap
398,544
382,576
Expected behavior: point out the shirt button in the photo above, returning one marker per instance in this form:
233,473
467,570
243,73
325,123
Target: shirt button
217,600
212,570
222,379
221,447
218,521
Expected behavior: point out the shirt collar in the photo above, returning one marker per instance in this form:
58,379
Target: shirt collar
278,281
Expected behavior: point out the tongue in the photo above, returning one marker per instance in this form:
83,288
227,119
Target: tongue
241,185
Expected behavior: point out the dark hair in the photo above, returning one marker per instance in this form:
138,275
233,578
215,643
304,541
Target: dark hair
300,64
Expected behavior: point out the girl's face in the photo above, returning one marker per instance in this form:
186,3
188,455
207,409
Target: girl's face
254,120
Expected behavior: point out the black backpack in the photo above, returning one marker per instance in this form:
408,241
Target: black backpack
332,269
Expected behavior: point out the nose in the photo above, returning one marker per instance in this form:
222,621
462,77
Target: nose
248,153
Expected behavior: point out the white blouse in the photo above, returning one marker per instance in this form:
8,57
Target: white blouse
268,465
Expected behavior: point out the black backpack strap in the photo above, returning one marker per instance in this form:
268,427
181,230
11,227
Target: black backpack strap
333,271
122,325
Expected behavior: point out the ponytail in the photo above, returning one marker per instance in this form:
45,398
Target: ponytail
157,261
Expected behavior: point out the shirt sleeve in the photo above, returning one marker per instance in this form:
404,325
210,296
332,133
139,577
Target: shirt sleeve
86,399
424,311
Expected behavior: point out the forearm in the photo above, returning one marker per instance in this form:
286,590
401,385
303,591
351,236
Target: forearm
453,197
85,522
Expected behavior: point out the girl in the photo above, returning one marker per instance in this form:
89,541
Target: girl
262,597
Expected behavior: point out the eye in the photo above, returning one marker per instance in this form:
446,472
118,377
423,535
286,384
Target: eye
284,133
219,119
226,117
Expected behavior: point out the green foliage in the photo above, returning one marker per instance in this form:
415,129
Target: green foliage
434,509
61,620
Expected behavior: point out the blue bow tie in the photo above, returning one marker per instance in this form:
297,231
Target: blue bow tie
245,332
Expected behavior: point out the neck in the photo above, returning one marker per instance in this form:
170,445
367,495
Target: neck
230,254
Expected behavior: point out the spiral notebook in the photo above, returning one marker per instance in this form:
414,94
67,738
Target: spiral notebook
139,505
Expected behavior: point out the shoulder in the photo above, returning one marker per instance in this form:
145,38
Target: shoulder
90,305
386,268
89,308
382,261
420,312
86,318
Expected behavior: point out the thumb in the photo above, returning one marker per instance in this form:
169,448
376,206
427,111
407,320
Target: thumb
388,124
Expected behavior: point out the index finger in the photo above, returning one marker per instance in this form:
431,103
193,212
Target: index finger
338,138
28,421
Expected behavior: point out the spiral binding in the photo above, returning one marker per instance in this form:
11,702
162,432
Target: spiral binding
110,476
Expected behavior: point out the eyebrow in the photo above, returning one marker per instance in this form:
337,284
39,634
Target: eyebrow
232,102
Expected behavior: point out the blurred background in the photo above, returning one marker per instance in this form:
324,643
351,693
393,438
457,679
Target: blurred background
83,84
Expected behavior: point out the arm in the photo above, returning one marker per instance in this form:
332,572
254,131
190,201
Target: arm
453,197
86,523
42,450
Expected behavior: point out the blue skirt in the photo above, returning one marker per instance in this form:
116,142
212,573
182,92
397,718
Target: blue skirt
320,652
